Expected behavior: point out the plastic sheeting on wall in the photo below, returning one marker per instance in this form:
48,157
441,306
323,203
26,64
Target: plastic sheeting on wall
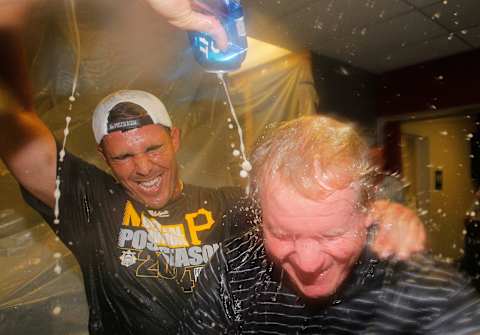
272,92
42,288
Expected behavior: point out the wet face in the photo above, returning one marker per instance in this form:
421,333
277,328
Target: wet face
143,161
315,242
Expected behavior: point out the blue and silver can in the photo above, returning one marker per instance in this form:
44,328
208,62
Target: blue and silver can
230,15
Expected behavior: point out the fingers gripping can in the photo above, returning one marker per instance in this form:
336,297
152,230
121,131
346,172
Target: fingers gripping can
230,15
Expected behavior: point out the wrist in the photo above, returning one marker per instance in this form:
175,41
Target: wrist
13,13
7,103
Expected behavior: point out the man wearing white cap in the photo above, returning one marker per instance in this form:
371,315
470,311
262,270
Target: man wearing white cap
141,237
146,169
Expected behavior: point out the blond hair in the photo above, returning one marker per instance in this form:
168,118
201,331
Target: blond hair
316,155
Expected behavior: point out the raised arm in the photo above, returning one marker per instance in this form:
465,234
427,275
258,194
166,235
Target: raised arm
27,147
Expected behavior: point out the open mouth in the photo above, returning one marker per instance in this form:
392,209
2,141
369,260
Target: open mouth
151,184
317,278
309,279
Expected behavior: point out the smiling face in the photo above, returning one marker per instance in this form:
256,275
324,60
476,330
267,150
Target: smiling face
315,242
143,161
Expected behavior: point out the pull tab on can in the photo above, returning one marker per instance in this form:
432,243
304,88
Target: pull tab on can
230,15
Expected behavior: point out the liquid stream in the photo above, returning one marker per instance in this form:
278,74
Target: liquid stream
246,166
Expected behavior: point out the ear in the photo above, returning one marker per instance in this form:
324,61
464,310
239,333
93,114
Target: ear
101,152
376,212
368,219
369,215
175,136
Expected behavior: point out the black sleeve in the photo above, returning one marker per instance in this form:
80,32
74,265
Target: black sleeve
210,309
79,180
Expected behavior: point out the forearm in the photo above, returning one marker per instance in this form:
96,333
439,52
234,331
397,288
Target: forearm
14,80
27,147
18,122
14,71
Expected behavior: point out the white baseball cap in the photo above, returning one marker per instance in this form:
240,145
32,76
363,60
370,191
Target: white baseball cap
157,113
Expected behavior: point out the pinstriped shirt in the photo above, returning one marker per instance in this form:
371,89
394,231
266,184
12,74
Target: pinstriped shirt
242,292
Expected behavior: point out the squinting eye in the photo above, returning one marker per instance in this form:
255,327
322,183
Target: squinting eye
155,149
331,238
277,233
282,236
122,158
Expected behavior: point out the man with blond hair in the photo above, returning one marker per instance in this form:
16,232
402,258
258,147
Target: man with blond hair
309,268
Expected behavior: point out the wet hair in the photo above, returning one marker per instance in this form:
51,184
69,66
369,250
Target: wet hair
317,155
125,111
128,115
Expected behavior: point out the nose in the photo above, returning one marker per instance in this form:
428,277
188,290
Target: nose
143,166
309,257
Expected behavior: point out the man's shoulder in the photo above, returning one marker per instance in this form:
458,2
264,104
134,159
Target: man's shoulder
424,272
222,198
78,177
244,250
72,164
228,191
432,293
429,265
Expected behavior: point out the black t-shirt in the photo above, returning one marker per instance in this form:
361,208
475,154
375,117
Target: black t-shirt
136,280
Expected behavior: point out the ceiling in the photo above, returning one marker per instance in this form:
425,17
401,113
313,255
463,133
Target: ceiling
375,35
